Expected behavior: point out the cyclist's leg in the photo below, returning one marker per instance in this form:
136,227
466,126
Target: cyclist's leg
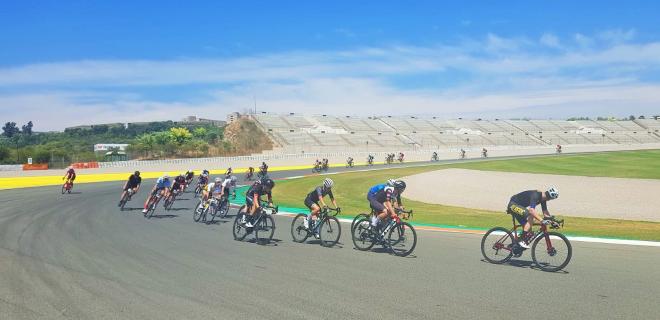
379,209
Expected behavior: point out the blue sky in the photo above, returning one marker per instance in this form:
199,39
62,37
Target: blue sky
73,62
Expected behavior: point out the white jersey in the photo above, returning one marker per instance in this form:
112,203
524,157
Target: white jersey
228,185
213,187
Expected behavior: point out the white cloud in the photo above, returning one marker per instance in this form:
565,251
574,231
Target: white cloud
549,40
617,35
503,74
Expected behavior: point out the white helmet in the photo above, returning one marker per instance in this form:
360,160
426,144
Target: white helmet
553,193
328,183
218,180
166,175
391,182
233,179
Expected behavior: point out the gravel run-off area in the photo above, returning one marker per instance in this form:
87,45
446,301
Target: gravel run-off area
595,197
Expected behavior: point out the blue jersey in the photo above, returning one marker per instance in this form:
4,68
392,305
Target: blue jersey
375,189
162,183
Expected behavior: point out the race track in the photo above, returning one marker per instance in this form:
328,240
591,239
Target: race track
78,257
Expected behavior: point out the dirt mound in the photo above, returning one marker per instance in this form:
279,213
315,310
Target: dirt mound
244,137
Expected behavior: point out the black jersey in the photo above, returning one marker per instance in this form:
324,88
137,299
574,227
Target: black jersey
319,193
259,190
134,181
530,198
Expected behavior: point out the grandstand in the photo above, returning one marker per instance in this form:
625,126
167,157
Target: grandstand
313,133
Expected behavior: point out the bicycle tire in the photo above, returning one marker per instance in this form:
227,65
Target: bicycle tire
264,230
238,230
403,232
64,189
298,232
563,264
329,231
358,217
212,211
224,209
361,235
198,213
500,244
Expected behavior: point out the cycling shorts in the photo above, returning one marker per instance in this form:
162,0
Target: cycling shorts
309,202
517,211
374,204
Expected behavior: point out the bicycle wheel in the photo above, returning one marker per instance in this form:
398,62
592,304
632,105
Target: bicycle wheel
265,229
361,234
64,189
496,245
402,239
223,210
298,231
358,217
199,212
152,210
239,230
329,231
554,252
212,211
123,202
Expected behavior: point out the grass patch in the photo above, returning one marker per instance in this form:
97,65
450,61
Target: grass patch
643,164
351,189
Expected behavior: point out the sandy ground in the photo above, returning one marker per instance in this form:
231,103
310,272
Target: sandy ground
597,197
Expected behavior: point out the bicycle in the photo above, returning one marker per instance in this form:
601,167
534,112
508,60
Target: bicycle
199,189
368,216
153,203
169,201
397,236
461,155
126,198
434,158
67,186
500,244
370,161
215,207
349,164
263,225
249,176
327,227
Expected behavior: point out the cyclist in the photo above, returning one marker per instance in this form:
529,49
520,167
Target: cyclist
163,185
228,172
253,197
69,175
133,184
179,184
312,202
325,163
559,148
250,173
523,205
462,153
370,159
349,161
317,164
190,174
203,178
212,188
264,168
380,200
484,153
434,157
401,156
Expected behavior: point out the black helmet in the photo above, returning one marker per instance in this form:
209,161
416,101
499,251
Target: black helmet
399,185
137,173
269,183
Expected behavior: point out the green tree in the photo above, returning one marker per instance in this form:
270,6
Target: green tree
10,129
4,153
200,133
180,135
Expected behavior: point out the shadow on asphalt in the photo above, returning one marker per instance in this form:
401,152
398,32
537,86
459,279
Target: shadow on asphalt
164,216
526,264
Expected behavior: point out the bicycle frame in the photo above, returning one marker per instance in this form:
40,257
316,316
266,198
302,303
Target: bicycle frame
542,231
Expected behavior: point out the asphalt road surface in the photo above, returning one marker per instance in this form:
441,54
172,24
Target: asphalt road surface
76,256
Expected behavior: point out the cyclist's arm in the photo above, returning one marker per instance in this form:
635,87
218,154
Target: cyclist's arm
126,184
270,198
389,207
332,198
544,208
256,199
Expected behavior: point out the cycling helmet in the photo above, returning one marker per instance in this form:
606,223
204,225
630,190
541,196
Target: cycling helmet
269,183
205,171
137,173
399,185
328,183
166,176
391,182
552,193
233,179
218,180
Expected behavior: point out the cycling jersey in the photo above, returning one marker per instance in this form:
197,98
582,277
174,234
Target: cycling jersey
259,190
162,183
228,185
315,196
178,181
190,175
214,188
530,198
71,174
133,181
373,190
203,180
